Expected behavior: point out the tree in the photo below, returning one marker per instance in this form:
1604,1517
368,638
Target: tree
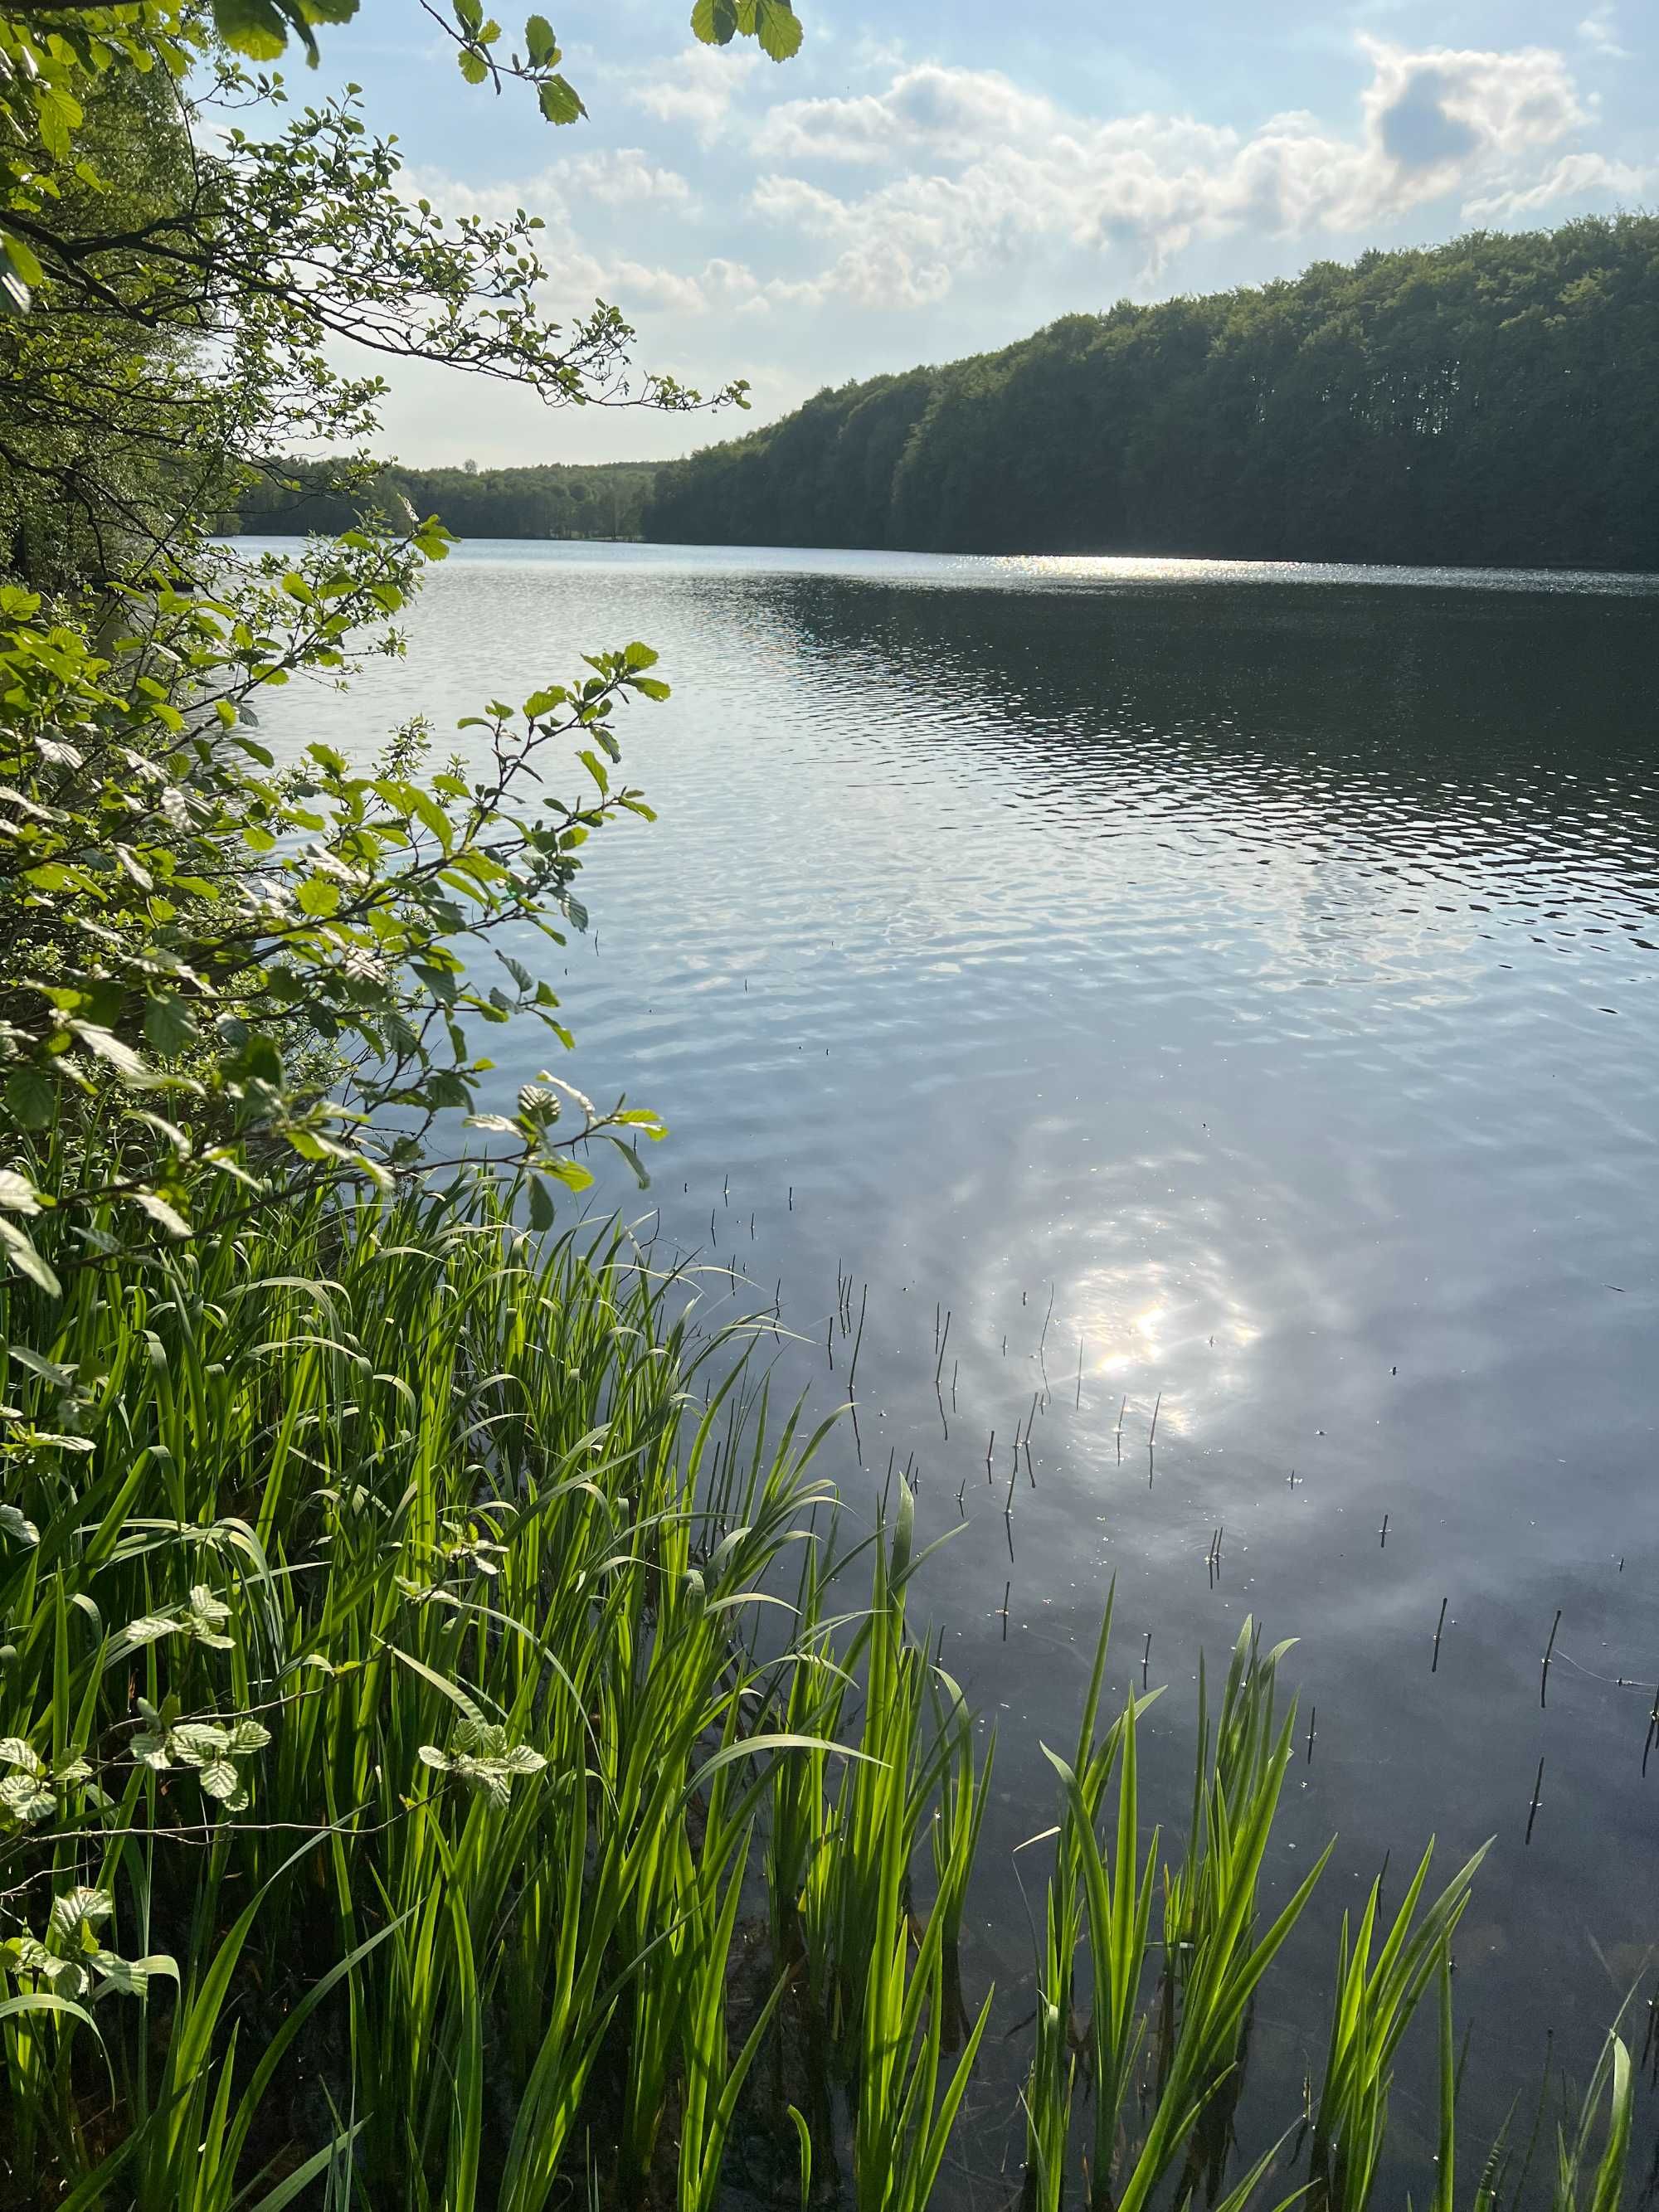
1481,401
226,982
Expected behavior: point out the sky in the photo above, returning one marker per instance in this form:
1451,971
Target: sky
924,181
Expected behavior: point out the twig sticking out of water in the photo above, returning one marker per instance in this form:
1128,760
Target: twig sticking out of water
1434,1662
830,1342
955,1364
1146,1658
1544,1678
853,1371
939,1364
1383,1532
1537,1795
1079,1371
1006,1590
1313,1716
1122,1411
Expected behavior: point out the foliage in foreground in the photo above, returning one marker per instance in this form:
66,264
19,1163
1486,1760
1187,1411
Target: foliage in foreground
395,1728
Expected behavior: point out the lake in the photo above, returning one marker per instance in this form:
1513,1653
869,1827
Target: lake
1231,995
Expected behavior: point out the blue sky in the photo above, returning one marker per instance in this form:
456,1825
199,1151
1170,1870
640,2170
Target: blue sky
925,181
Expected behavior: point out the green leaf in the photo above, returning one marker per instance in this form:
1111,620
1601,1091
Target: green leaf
473,66
159,1211
633,1161
31,1096
318,896
715,22
27,1262
540,43
778,28
116,1052
558,101
168,1024
57,113
15,285
254,27
23,261
17,1194
17,1524
542,1213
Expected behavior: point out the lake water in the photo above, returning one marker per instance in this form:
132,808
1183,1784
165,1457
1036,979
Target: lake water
1231,992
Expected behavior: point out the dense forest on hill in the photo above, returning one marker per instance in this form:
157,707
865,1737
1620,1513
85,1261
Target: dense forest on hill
602,501
1488,400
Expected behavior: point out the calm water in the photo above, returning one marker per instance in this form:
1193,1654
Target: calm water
1261,965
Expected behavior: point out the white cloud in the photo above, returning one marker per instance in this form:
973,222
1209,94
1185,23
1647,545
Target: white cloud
620,176
953,113
696,87
989,173
1574,177
1600,33
610,176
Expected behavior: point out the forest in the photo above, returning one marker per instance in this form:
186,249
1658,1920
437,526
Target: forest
553,500
1485,401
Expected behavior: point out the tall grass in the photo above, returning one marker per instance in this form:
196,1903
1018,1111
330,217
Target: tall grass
449,1763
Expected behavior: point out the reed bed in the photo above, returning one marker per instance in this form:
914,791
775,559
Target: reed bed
455,1756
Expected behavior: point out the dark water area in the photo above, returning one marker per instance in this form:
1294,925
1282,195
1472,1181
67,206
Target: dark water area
1233,994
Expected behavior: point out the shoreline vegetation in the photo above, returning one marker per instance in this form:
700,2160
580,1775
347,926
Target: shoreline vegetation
454,1750
1481,404
440,1669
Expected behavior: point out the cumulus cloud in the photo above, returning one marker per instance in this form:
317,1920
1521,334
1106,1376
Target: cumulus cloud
576,272
951,113
696,87
1600,33
886,199
620,176
988,173
610,176
1574,177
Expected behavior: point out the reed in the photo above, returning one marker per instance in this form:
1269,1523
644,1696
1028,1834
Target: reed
454,1759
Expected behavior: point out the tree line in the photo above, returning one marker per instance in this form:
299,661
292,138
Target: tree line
1486,401
605,500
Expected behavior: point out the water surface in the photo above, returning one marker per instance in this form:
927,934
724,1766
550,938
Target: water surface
1229,991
